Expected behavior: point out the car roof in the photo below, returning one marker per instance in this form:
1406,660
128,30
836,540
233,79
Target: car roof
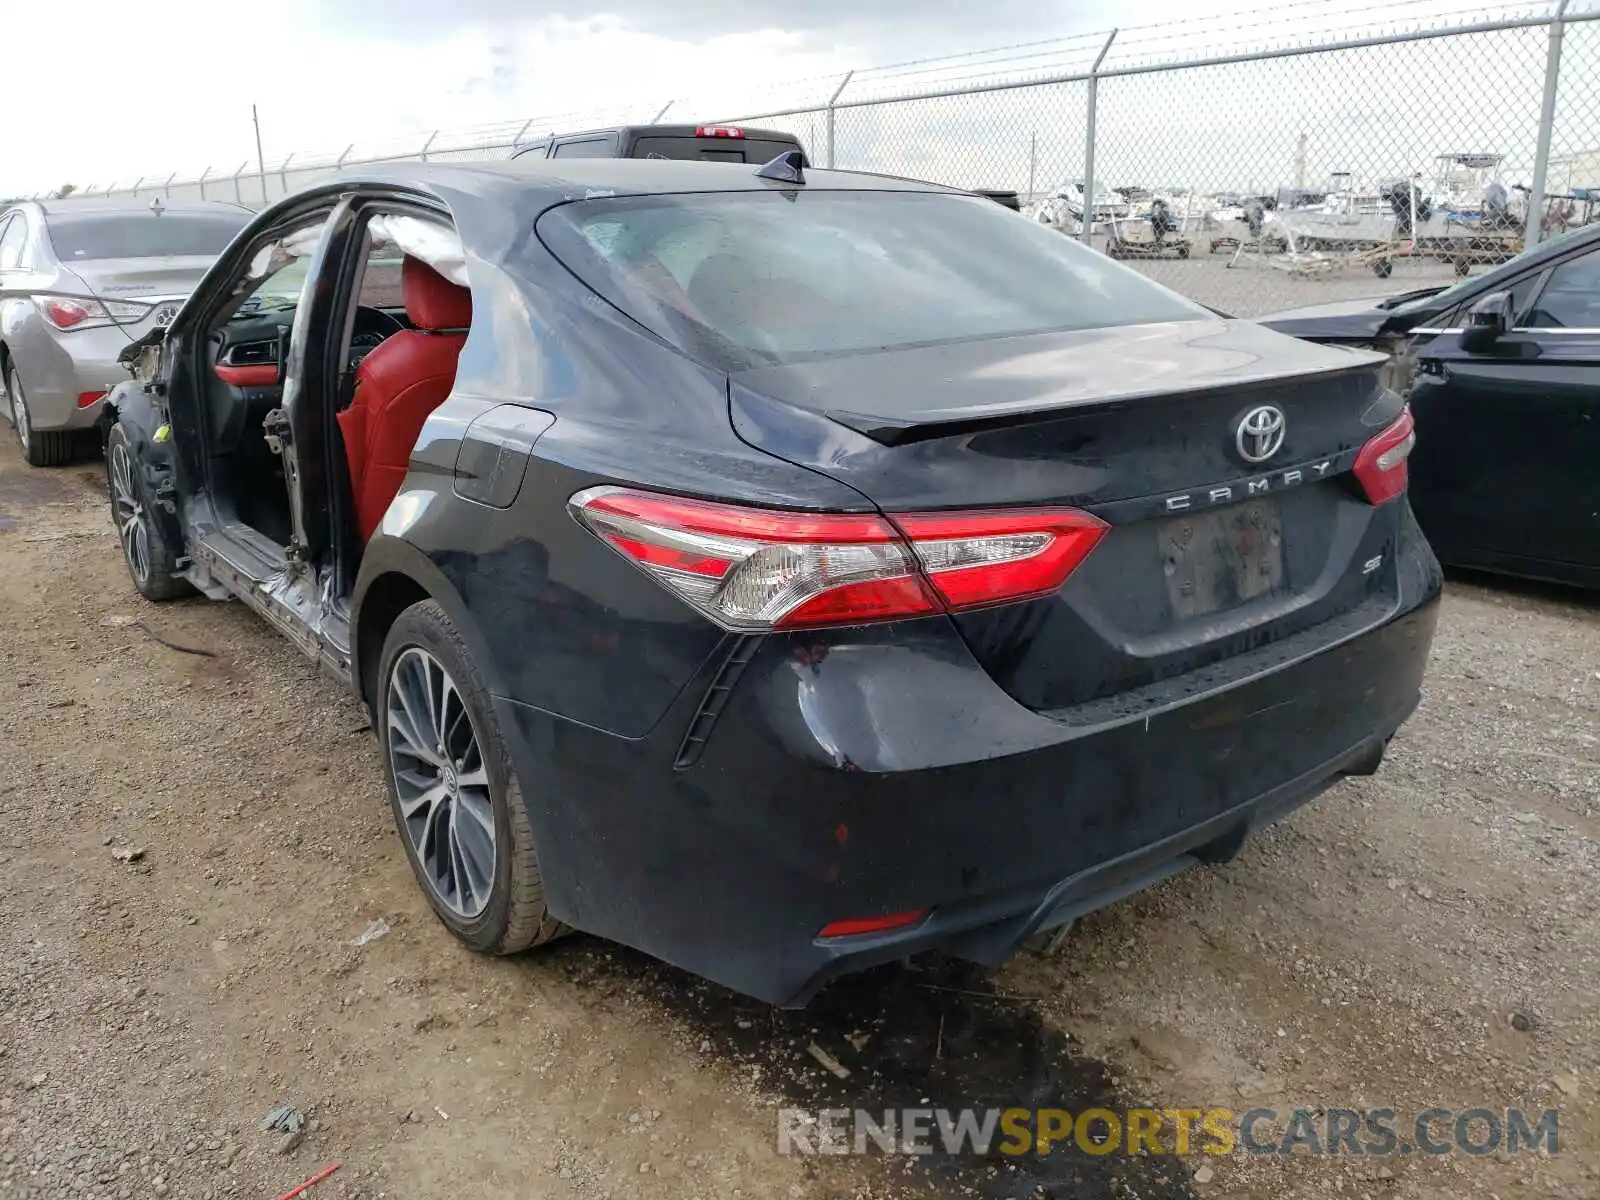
554,180
132,206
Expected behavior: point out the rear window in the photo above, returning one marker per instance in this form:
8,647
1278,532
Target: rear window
596,147
759,277
736,150
80,236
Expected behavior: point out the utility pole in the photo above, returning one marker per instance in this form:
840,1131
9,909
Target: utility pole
261,161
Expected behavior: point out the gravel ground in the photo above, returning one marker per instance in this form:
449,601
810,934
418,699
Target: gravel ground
192,842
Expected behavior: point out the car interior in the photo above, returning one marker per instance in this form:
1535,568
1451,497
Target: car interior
405,332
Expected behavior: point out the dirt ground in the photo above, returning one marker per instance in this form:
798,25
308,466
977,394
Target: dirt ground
1430,936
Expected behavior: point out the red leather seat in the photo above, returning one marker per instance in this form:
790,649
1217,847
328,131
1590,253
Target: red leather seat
398,385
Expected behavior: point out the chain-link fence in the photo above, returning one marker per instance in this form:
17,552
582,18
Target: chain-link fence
1333,163
1257,161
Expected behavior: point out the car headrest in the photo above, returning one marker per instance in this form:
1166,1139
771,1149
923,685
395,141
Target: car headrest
432,301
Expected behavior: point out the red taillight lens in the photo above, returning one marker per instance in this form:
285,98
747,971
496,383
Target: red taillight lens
856,926
64,314
1381,466
752,568
90,399
731,131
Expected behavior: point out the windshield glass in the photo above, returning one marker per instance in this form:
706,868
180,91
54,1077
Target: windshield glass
282,289
777,276
1445,297
81,236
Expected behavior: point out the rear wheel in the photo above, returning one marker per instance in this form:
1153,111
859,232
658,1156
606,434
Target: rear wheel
150,560
41,447
456,799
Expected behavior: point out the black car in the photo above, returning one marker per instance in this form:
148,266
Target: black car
691,143
1502,372
780,577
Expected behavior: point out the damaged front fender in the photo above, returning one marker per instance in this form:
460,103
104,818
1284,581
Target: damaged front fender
149,438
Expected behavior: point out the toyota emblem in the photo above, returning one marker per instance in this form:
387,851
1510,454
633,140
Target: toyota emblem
1260,433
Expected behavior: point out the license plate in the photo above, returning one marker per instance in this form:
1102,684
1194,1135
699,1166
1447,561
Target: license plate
1218,560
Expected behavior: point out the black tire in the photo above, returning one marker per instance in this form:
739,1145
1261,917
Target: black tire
41,448
1183,252
157,576
1383,268
516,917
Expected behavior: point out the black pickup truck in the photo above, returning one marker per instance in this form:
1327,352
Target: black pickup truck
705,143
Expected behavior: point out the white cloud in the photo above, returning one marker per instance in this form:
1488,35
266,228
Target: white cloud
107,91
161,88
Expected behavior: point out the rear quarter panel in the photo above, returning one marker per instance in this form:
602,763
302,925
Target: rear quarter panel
572,627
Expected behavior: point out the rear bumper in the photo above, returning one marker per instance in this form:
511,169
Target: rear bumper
58,368
806,779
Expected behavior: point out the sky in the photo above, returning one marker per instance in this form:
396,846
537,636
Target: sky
120,89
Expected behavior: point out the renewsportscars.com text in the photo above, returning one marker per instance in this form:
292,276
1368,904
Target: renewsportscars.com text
1019,1131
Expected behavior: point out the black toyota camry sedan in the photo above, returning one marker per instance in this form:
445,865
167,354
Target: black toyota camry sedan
780,571
1502,373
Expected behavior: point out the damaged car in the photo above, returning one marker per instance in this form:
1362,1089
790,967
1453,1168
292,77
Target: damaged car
1502,373
779,571
84,277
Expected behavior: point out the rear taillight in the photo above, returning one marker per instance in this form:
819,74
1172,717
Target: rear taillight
90,399
730,131
66,313
979,558
1381,466
69,314
757,568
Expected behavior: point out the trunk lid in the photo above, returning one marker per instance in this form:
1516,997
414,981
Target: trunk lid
140,278
1211,561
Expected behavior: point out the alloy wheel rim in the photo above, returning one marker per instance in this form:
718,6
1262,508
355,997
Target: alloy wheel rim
441,782
131,529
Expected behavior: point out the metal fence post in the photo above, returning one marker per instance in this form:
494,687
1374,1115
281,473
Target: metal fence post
238,191
1087,232
423,153
201,182
339,166
167,186
1547,119
283,174
656,120
832,100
